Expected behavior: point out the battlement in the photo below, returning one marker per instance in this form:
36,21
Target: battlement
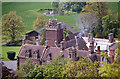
53,25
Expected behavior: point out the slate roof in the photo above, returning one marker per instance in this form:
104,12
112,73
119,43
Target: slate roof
38,30
68,27
33,48
95,57
71,36
81,44
54,51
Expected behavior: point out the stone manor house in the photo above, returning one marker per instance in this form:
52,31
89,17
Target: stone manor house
73,46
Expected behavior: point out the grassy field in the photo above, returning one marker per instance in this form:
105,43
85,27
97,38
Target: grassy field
30,10
5,49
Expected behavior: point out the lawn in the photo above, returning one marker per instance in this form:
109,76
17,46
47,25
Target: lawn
5,49
30,10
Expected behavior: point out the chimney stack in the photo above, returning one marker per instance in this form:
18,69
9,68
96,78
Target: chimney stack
46,43
56,44
23,41
72,53
98,50
90,37
77,45
62,45
91,47
37,42
111,37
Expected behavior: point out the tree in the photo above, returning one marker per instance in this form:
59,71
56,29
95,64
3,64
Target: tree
25,68
0,31
110,25
82,68
52,69
43,36
74,6
12,26
40,22
111,70
55,4
66,31
100,9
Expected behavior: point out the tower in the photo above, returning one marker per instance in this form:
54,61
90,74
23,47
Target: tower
54,32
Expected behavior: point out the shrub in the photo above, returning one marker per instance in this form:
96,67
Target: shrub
11,54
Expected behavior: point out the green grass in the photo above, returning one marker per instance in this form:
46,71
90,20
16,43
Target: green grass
113,6
5,49
30,10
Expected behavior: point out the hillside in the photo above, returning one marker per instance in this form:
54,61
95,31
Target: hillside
30,10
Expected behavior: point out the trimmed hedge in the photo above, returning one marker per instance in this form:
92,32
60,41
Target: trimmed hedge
11,55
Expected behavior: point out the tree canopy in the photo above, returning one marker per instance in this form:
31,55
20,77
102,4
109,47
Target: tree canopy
40,22
12,26
101,10
110,25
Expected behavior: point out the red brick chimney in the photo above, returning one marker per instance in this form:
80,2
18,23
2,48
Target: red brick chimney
54,32
112,54
91,47
62,45
98,50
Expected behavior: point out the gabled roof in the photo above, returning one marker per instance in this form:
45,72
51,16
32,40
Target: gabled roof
81,43
31,47
38,30
68,27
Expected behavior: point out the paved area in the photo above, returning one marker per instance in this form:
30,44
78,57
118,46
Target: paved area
11,64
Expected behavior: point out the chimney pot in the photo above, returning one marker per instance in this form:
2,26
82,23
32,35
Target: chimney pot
37,42
56,44
91,47
90,37
62,45
111,37
46,43
98,49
